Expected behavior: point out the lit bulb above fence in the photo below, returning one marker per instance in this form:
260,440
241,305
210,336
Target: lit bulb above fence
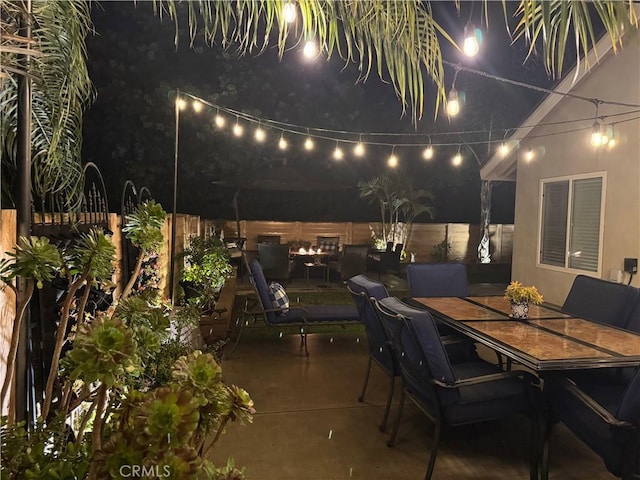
220,121
308,144
282,144
504,149
456,161
392,161
427,153
260,135
310,49
453,103
238,130
338,154
472,39
197,106
182,104
358,150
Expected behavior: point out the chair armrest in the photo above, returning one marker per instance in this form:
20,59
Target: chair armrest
594,406
488,378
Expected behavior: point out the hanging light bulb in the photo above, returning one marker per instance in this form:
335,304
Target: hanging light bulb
197,106
289,12
310,49
529,155
453,102
392,161
219,120
282,143
427,153
504,149
237,129
471,44
456,160
596,134
358,150
612,141
338,154
260,135
308,144
182,104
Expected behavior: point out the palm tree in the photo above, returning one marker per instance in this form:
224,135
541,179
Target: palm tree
398,39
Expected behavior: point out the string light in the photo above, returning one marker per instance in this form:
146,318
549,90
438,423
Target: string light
197,106
504,149
471,45
612,141
427,153
597,134
289,12
338,154
453,101
282,143
260,135
220,120
358,150
237,129
529,155
392,161
182,104
310,49
456,160
308,143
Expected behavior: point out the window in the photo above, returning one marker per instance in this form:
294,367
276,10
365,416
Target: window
570,222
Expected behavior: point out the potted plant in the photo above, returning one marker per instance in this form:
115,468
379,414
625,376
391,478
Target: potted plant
521,297
206,269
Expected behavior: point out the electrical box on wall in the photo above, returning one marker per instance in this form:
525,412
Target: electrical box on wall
631,265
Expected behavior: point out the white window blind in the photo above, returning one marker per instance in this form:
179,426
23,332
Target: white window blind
570,223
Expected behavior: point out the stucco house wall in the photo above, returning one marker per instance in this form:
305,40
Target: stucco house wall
615,78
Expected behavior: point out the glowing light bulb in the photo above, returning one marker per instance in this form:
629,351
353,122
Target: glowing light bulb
596,134
197,106
471,44
238,130
392,161
308,144
260,135
289,12
612,143
310,49
220,121
453,103
456,161
338,154
358,150
504,149
529,155
427,153
282,144
182,104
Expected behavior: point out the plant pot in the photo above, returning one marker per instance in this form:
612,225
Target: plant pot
519,310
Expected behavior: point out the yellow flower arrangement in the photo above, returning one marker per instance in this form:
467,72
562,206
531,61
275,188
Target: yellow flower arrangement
518,293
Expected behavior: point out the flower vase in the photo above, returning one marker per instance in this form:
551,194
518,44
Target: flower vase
519,310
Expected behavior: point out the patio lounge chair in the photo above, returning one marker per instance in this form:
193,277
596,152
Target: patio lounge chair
293,315
452,394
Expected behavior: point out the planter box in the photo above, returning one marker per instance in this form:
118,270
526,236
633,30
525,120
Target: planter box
217,326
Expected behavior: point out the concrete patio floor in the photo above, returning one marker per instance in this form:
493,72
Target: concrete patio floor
309,424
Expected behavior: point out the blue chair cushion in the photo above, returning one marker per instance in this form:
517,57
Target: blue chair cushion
320,314
262,288
278,296
437,280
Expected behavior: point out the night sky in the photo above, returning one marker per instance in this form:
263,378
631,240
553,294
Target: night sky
129,130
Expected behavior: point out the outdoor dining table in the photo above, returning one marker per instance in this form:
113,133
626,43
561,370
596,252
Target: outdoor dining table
548,340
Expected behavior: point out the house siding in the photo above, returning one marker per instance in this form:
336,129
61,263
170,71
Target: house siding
615,78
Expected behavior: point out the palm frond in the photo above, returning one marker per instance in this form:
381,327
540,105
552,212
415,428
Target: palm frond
555,23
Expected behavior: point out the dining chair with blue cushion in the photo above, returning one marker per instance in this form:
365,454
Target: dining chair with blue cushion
275,311
453,394
437,280
362,289
606,417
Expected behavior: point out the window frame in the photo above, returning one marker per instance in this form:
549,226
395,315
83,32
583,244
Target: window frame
570,179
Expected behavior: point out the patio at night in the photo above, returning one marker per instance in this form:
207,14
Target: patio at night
313,240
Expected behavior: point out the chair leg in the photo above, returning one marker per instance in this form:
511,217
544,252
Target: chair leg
303,341
387,408
434,451
544,468
391,442
241,321
536,445
366,381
